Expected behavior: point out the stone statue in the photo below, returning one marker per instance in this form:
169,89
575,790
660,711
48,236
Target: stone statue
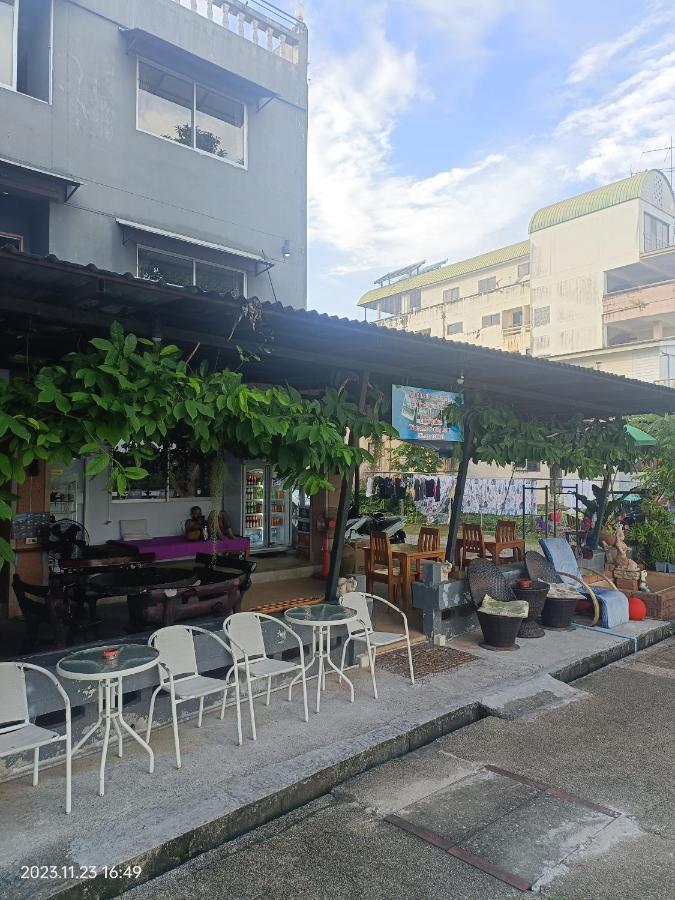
618,555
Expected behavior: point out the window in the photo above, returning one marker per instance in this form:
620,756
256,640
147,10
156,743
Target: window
492,319
186,272
177,109
542,316
175,470
531,465
10,240
523,269
487,284
656,233
25,52
451,295
455,328
411,301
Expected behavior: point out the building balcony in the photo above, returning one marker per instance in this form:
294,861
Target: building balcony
516,338
257,21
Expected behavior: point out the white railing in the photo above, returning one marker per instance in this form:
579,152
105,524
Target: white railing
257,21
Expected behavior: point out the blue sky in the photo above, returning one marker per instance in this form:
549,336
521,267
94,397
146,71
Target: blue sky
437,127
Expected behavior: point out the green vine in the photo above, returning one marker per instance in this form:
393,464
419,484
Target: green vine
133,392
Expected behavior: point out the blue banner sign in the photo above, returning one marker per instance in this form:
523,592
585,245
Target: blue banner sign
417,413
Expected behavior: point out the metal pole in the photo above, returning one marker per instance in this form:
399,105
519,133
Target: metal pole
555,511
343,511
456,512
576,517
602,508
523,510
357,491
545,510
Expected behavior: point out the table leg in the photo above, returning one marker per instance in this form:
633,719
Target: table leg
405,575
117,703
309,665
335,668
320,678
125,725
99,721
106,738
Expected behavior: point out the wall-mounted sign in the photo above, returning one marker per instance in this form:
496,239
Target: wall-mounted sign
417,413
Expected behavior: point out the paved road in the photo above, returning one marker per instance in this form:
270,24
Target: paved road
614,746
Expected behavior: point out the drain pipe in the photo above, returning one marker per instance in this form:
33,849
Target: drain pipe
626,637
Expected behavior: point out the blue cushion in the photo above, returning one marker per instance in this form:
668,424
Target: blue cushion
561,556
613,604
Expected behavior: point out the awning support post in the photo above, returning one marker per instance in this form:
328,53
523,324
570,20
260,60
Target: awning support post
343,511
458,499
602,509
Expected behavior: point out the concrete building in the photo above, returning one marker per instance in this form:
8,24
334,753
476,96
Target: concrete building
166,138
568,292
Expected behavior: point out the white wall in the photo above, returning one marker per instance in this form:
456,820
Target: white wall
567,275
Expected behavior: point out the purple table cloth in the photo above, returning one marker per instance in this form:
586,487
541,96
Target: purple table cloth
177,547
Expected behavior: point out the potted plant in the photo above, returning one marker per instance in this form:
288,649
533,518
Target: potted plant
655,537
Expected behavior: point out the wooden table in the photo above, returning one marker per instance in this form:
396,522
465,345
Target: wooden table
494,549
407,554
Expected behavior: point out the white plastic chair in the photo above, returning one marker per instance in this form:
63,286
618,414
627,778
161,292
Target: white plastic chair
180,678
361,629
17,733
244,632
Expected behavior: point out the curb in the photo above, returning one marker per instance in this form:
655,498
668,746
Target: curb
379,746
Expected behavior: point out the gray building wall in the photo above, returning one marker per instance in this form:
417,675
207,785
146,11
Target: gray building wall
88,131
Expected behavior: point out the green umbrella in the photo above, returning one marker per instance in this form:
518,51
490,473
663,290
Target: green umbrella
640,437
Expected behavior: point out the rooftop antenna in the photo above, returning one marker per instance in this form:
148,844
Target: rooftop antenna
669,156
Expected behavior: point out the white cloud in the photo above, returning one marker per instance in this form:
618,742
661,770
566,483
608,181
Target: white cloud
598,56
369,214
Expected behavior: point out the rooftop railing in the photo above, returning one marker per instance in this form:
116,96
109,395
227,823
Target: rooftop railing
257,21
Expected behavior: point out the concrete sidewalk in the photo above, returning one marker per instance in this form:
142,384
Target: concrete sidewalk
158,821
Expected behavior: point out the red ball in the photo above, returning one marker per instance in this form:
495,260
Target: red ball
637,609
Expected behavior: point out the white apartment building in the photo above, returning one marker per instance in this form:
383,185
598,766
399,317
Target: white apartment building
594,284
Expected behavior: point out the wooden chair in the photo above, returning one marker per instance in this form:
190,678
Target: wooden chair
505,533
428,539
473,543
380,566
39,605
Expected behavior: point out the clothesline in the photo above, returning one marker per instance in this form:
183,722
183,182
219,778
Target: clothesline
432,494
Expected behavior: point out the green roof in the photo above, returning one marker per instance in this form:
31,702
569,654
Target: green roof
448,273
590,202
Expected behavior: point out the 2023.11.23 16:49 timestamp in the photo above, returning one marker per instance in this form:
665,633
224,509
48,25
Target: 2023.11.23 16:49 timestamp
70,873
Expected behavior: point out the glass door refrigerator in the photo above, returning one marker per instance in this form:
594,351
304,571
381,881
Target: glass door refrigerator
266,519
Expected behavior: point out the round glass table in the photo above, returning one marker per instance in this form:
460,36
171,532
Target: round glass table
108,671
321,617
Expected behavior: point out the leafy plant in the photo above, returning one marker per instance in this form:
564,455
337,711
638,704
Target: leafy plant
413,458
134,393
655,536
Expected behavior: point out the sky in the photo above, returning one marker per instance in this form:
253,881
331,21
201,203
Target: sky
437,127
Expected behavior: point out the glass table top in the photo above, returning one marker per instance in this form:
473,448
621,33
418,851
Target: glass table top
320,613
91,663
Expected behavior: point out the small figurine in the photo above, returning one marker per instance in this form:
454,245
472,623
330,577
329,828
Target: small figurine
644,587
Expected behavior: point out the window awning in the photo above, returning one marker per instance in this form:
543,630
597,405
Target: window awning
147,45
640,437
21,180
261,264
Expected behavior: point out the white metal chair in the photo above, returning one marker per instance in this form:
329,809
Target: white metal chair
244,632
361,629
17,733
180,678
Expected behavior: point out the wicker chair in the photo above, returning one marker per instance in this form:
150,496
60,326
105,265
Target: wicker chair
485,578
540,569
380,566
